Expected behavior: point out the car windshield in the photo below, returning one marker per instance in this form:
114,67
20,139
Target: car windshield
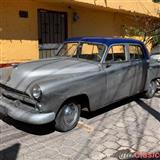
89,51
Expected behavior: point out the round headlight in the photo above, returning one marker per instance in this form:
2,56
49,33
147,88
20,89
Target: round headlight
36,92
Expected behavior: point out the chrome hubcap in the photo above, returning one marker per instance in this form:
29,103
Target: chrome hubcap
70,114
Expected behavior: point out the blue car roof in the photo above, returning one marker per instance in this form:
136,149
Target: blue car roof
104,40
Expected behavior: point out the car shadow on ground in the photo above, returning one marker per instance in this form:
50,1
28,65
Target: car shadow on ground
10,153
28,128
148,108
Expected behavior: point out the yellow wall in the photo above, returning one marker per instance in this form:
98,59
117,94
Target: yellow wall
99,23
139,6
147,7
19,36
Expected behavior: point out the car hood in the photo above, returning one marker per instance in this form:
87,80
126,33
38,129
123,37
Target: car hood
26,75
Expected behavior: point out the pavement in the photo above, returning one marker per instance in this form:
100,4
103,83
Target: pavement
116,131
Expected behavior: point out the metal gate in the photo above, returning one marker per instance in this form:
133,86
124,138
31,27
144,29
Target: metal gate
52,31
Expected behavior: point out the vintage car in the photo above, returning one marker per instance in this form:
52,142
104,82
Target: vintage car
87,72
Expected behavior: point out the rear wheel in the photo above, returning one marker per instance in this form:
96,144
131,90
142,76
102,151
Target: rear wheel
68,117
158,84
151,89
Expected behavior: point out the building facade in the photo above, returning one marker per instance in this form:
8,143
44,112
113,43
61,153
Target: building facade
33,29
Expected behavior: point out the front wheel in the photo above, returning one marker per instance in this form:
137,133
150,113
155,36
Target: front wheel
67,117
151,89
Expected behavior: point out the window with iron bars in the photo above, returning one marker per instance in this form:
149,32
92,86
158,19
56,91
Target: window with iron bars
52,31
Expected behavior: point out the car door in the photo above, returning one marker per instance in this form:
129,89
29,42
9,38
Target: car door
139,68
119,76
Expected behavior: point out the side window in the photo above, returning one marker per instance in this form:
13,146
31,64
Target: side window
135,52
69,49
91,51
116,53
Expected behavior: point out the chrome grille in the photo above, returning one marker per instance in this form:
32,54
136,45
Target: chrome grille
13,94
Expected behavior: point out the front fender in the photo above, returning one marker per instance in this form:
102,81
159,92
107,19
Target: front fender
92,86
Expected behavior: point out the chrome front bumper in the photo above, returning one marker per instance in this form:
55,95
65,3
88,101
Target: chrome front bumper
20,113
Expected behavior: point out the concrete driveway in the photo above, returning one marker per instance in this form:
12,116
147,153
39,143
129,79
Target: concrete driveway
115,131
